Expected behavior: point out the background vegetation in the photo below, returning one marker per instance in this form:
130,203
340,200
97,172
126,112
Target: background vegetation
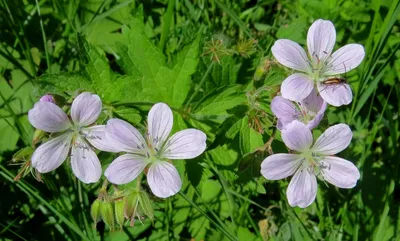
210,60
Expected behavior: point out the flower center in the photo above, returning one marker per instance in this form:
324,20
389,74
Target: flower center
312,162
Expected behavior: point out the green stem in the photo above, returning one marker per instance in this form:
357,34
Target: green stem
227,234
44,39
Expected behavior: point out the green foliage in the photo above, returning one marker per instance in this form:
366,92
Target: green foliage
210,61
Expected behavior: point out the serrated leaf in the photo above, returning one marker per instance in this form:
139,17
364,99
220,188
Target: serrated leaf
221,100
149,76
62,83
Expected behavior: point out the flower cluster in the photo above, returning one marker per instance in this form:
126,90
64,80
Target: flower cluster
301,107
79,138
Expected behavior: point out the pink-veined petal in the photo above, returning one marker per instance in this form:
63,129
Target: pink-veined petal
186,144
340,172
302,189
291,54
86,109
48,117
313,102
85,164
334,140
124,137
344,59
279,166
317,119
163,179
321,38
337,94
52,153
97,137
296,87
284,109
160,121
125,168
297,136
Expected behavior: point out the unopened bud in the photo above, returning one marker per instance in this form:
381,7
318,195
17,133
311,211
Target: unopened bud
95,211
131,204
47,98
37,136
107,213
119,212
260,71
146,206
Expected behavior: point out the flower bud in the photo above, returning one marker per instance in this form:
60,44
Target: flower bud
37,136
47,98
95,211
131,204
119,212
107,213
146,207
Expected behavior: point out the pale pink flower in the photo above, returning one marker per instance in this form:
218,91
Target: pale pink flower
152,151
318,65
310,111
75,138
310,161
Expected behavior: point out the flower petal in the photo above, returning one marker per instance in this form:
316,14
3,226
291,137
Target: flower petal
122,136
317,119
297,136
48,117
279,166
302,189
334,140
344,59
186,144
284,109
340,172
313,102
97,137
291,54
321,39
51,154
163,179
314,105
336,95
296,87
86,109
85,164
125,168
160,120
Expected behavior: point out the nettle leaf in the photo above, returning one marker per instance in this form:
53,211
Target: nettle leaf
62,84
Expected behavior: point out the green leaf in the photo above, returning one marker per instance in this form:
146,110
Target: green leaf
221,100
129,114
149,76
62,84
249,139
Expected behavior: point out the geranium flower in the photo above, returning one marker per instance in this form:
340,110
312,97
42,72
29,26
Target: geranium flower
153,151
319,65
76,136
310,111
310,161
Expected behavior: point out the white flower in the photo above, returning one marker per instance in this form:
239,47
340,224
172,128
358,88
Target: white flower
152,151
49,117
311,161
318,65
